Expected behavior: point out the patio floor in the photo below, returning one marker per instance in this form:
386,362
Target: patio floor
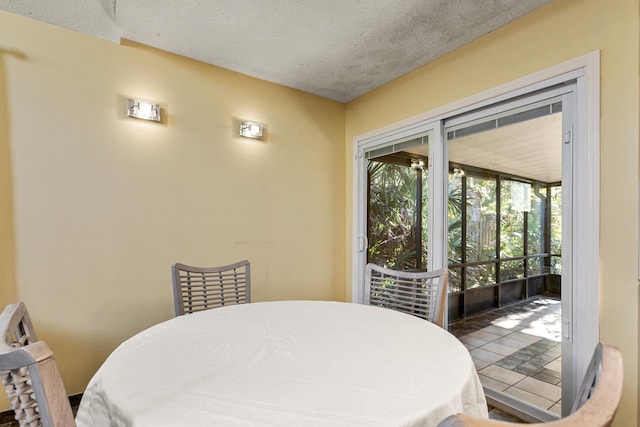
516,350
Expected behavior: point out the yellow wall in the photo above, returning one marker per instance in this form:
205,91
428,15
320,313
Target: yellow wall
558,32
95,206
7,258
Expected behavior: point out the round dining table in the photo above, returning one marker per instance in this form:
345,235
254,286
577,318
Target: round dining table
286,363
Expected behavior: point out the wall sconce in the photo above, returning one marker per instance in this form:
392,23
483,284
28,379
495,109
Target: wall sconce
141,109
251,130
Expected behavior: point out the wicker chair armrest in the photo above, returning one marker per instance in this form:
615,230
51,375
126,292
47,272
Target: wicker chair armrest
18,357
598,411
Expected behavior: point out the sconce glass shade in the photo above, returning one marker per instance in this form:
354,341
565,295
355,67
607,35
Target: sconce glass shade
417,164
251,130
458,173
141,109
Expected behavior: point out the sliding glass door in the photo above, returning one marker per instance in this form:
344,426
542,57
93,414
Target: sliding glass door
509,180
505,205
509,171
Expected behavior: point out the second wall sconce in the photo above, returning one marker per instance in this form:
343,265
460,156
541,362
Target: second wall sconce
143,109
251,130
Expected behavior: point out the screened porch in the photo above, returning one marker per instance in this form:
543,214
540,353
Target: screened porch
503,237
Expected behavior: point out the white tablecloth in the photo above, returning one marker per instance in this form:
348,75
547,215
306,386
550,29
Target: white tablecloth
289,363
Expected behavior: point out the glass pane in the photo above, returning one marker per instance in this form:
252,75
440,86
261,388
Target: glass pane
454,214
504,213
535,221
535,266
455,279
398,209
481,219
513,269
515,200
556,220
556,265
481,275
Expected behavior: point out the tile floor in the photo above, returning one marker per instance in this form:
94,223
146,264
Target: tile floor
516,350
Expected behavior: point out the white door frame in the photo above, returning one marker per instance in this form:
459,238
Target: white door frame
583,327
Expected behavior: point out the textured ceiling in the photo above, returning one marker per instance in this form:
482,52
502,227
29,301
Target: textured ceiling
337,49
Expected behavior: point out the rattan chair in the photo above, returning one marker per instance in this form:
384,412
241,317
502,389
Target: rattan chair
202,288
421,294
30,373
595,406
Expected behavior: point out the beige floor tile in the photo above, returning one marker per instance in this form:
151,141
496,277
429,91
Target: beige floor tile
487,336
547,326
497,330
555,365
472,342
503,375
518,340
556,409
493,383
468,346
486,356
511,343
541,388
479,364
512,324
548,333
531,398
523,317
499,348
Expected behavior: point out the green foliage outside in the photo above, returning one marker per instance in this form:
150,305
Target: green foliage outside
392,225
392,216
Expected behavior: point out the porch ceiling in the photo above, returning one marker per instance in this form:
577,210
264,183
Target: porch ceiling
531,149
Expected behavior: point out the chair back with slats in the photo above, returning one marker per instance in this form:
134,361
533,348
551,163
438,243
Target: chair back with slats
421,294
202,288
30,373
595,405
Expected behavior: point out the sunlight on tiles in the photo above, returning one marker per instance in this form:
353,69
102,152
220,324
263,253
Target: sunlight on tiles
516,350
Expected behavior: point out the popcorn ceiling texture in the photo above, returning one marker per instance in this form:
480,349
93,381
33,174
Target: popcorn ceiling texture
337,49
